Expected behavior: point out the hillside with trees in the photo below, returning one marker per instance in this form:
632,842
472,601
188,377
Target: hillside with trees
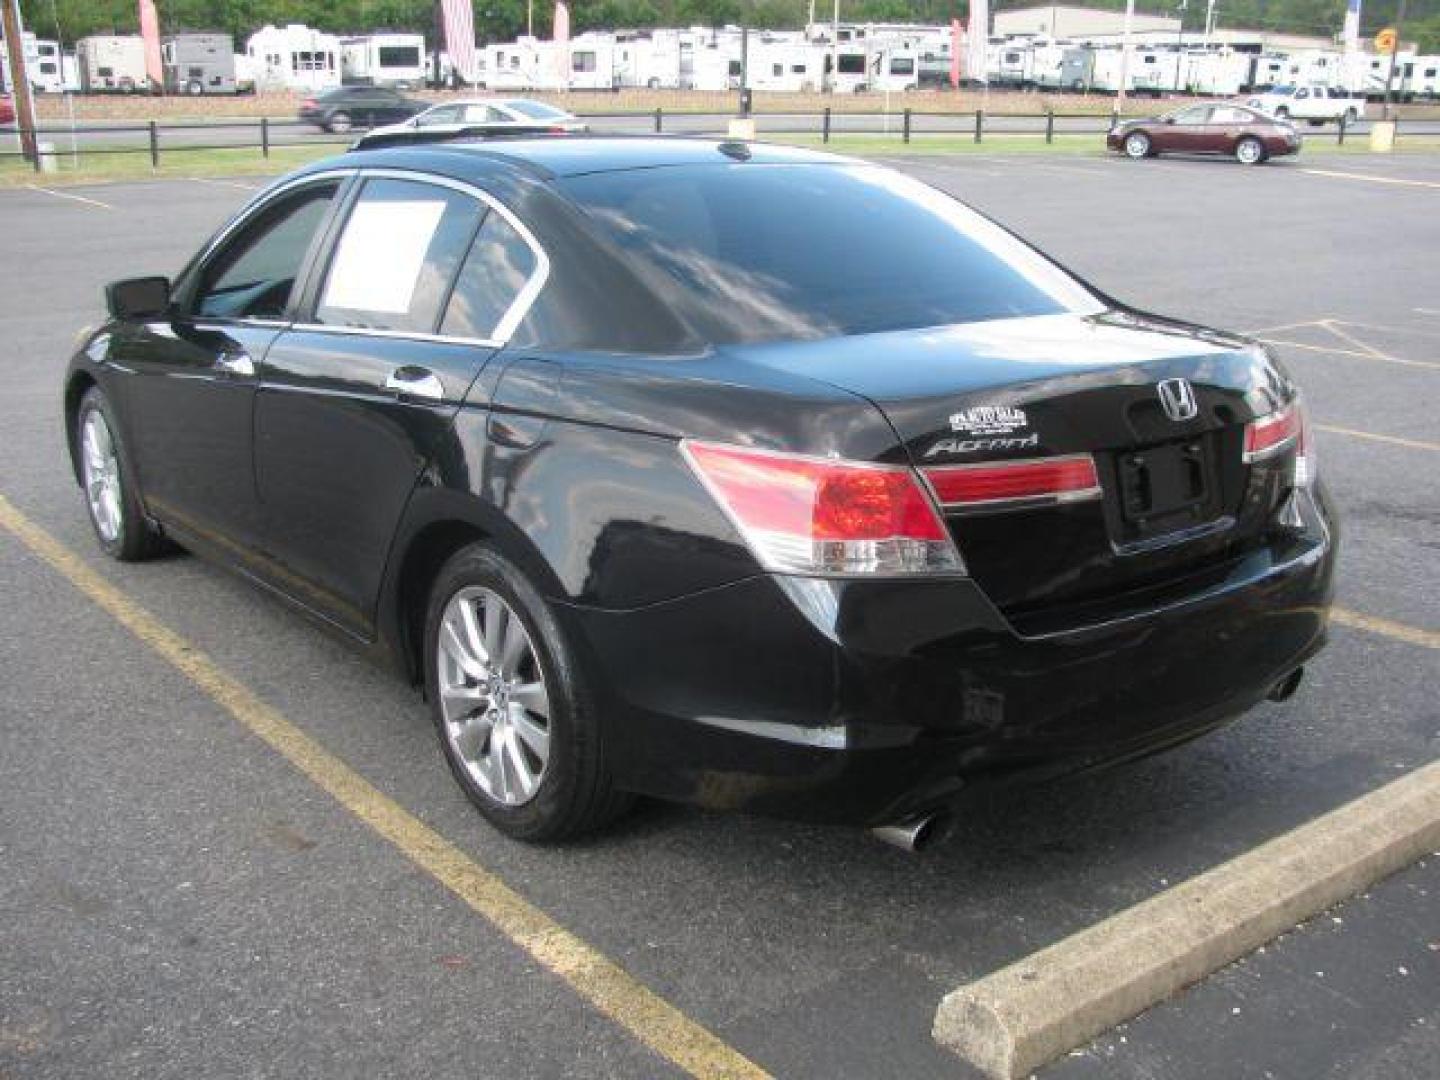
497,20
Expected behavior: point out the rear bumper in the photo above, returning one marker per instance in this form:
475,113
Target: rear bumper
862,702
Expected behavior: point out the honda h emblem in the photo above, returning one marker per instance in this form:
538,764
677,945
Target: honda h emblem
1178,398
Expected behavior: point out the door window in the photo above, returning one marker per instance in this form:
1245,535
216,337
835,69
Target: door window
254,273
1200,114
447,114
496,270
1224,115
397,256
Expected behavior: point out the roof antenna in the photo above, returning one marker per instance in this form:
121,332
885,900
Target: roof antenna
737,150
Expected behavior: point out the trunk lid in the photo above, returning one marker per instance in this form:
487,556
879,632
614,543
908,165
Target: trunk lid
1176,497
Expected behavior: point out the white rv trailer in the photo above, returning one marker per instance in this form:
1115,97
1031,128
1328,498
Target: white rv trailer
111,64
649,58
785,64
294,57
1425,82
44,64
1220,73
384,60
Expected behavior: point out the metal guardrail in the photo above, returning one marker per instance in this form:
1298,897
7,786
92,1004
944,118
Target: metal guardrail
906,125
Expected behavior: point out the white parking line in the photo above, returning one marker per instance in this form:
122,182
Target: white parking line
67,195
1372,178
223,183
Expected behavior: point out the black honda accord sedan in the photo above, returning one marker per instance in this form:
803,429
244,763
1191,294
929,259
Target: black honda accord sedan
740,475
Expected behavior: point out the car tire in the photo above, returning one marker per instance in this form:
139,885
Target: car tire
112,501
1250,151
1137,145
522,736
339,123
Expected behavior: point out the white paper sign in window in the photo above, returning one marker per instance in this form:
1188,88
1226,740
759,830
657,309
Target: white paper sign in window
379,260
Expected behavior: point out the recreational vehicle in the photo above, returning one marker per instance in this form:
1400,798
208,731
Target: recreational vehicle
44,65
294,57
198,64
111,64
384,60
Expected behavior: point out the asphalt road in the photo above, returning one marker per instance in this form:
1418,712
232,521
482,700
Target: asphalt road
178,901
245,132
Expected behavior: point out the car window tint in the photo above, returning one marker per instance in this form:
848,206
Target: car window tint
780,252
446,115
1230,116
252,276
1198,115
397,256
497,268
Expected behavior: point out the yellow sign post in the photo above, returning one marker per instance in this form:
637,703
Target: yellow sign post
1386,40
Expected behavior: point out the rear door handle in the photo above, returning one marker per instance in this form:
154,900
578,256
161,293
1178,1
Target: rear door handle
235,362
416,382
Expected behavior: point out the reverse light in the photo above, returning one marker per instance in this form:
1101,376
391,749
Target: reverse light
1005,484
825,516
1305,465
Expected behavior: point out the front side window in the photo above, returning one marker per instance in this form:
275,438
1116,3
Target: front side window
253,275
397,256
496,271
1200,114
789,252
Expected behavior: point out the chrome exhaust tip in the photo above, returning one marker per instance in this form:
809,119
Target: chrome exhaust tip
913,834
1285,689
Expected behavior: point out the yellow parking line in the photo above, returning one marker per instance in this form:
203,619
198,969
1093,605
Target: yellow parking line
1394,440
1372,178
1411,635
1378,357
596,978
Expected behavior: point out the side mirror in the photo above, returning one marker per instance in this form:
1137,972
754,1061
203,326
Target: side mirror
138,298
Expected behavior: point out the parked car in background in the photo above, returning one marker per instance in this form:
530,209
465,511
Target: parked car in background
7,109
735,474
347,107
1316,103
1248,135
480,116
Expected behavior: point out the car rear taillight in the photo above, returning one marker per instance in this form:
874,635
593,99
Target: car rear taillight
308,103
1281,430
1003,484
1271,434
810,515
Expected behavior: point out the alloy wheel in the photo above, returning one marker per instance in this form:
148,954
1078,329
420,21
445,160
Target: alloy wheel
493,696
1249,151
101,465
1137,145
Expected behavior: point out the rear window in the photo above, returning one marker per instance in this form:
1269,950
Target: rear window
750,252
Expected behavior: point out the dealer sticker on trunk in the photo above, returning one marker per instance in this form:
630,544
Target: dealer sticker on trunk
986,427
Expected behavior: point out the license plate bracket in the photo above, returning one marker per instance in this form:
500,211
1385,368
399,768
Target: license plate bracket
1165,486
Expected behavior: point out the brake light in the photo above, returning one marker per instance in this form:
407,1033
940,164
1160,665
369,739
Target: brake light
1071,478
809,515
1271,434
308,103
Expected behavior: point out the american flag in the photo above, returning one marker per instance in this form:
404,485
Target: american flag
459,19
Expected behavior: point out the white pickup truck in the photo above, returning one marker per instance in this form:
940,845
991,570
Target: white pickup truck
1315,103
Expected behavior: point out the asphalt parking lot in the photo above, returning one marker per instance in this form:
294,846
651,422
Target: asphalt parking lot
178,899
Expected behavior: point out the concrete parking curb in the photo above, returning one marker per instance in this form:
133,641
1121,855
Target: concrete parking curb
1011,1022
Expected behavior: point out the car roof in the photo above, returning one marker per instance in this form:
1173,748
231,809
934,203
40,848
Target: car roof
575,155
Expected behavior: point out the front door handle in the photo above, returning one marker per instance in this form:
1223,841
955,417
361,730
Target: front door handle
235,362
416,382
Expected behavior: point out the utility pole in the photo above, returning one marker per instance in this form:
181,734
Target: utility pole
1394,54
835,47
20,79
1125,56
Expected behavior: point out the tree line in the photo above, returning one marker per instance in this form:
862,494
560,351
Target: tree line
502,20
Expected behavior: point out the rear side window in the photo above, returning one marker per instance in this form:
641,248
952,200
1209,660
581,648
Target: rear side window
495,272
754,252
397,256
252,276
